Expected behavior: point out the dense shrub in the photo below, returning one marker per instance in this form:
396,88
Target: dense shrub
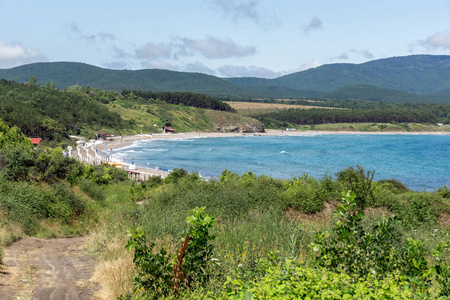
26,204
15,162
359,182
103,174
92,189
395,186
304,193
162,274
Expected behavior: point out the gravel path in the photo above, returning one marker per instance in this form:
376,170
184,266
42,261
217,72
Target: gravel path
50,269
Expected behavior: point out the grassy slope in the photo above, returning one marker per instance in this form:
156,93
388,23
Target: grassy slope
182,118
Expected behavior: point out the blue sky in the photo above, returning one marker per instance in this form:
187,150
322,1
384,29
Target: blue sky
225,38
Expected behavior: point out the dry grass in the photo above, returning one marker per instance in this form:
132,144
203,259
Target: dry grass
116,270
115,277
256,105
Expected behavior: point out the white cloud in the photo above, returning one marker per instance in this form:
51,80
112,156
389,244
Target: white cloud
215,48
343,56
437,40
365,54
12,55
241,71
77,33
158,64
153,51
314,24
241,9
198,67
117,65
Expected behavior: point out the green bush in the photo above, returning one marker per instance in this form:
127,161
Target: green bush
162,274
289,281
176,175
304,193
15,162
103,174
394,185
92,189
352,249
359,182
418,209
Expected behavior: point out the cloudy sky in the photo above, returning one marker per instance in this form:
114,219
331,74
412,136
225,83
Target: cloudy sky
226,38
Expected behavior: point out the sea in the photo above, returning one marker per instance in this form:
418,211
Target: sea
421,162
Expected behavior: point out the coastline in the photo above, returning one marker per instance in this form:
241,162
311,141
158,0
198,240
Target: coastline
127,140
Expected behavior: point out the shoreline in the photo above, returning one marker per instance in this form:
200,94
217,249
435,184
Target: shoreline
130,139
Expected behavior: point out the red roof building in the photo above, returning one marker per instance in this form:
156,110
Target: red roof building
169,129
35,141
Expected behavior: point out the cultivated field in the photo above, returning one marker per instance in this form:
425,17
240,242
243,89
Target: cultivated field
268,106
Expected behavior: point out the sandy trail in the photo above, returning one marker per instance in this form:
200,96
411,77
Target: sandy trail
51,269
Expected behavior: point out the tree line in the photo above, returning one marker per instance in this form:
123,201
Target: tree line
373,115
179,98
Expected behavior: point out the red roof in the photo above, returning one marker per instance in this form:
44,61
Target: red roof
35,141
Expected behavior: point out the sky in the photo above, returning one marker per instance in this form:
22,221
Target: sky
224,38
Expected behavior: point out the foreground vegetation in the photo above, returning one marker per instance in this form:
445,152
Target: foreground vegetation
238,237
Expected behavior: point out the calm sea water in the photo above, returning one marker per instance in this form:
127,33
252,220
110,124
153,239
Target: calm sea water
422,162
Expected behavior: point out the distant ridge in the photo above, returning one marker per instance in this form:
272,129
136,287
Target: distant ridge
422,75
65,74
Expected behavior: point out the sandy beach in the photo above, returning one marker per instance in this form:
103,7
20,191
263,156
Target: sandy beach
127,140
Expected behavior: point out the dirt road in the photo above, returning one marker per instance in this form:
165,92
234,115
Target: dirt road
47,269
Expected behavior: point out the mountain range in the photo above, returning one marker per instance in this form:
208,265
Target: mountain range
415,78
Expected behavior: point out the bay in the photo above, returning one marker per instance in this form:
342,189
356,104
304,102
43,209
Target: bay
422,162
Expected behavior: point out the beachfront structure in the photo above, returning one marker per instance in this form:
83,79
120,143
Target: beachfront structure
168,129
104,136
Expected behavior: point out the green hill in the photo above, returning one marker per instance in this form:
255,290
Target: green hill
55,114
65,74
373,93
422,75
418,74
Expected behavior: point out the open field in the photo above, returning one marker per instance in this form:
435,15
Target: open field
266,106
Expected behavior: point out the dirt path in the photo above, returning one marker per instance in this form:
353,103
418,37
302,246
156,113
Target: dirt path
50,269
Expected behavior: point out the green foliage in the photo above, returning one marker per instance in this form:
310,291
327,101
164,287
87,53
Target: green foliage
51,165
15,162
52,114
92,189
444,192
359,182
304,193
199,251
26,204
418,209
289,281
176,175
180,98
161,274
394,185
442,268
352,249
12,136
103,174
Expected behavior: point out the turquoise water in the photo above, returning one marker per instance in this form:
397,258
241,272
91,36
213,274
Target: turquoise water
422,162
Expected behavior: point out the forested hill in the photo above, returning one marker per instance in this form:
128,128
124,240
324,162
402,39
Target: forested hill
418,74
65,74
52,114
395,79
